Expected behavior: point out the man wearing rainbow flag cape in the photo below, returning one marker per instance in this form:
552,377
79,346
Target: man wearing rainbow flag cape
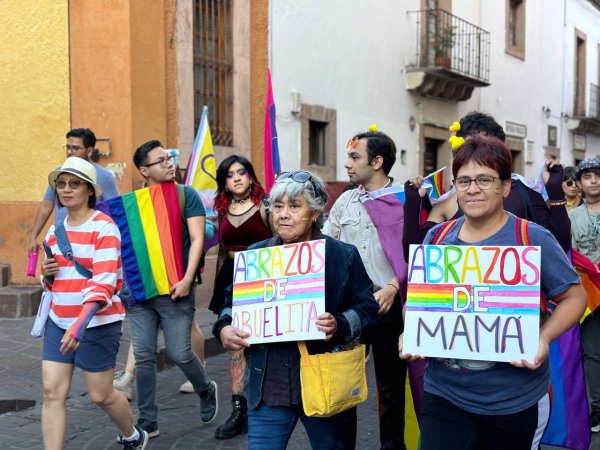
162,228
370,217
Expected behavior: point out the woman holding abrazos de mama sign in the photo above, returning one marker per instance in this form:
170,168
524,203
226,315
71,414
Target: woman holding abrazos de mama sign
495,405
276,398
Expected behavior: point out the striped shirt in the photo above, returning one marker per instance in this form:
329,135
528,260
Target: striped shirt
96,245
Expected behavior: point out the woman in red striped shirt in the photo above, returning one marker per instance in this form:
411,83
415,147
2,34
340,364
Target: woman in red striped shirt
84,325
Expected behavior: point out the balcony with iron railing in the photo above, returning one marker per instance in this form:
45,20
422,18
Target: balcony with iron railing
586,109
452,57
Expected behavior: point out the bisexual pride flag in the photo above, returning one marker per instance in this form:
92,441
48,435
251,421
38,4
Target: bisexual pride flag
151,226
385,208
271,145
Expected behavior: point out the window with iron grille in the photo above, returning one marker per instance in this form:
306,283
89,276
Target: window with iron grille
213,67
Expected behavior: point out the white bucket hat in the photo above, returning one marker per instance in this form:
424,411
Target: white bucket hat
78,167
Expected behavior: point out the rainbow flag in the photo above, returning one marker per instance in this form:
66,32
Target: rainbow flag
434,183
271,147
590,279
202,169
414,391
151,226
569,425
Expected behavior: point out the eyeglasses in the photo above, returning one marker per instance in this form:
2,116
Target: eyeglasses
73,148
569,183
240,172
484,182
164,162
299,176
73,184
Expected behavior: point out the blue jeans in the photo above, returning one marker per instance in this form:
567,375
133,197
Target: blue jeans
270,428
176,319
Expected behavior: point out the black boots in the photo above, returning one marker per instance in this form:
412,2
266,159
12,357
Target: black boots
237,422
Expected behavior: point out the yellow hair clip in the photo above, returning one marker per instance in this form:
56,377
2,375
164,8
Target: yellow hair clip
373,128
456,142
455,127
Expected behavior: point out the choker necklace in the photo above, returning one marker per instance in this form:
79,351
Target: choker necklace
235,203
388,184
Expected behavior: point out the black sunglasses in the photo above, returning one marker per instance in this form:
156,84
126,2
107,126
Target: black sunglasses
299,176
569,183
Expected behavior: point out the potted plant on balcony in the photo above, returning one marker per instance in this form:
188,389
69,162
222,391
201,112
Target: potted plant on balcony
442,41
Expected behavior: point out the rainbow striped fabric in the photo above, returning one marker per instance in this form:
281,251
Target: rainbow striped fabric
569,425
434,183
151,225
500,299
299,287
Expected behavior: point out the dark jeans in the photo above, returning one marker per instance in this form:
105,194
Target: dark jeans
176,319
590,341
270,428
446,426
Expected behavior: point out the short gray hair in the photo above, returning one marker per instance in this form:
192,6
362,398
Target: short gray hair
313,191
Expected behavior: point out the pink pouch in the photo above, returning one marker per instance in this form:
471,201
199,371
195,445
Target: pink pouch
32,263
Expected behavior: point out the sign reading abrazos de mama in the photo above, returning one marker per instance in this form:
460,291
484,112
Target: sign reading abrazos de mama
278,292
469,302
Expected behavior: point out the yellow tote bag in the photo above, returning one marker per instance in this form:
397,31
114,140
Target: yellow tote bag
332,382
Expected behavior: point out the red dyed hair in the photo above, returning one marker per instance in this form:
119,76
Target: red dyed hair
486,151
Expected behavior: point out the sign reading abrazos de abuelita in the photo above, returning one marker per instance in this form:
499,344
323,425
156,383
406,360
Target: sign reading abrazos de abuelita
278,292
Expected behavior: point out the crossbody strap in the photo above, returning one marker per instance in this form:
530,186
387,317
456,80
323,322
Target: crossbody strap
65,249
522,231
302,348
443,231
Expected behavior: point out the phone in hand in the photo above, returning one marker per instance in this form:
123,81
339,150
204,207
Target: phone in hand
48,251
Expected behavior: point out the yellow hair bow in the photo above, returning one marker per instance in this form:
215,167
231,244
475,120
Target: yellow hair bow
455,127
373,128
456,142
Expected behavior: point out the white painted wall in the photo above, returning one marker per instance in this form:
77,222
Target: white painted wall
582,15
350,55
346,55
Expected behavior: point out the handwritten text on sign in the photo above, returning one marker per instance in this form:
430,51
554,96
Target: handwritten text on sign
278,292
468,302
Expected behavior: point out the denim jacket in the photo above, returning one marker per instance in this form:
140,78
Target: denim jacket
348,296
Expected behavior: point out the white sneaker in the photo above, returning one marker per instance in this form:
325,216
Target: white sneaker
187,388
123,382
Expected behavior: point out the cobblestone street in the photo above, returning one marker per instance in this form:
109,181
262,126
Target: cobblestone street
180,428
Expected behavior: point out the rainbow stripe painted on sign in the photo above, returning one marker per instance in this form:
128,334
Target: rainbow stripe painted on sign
151,227
298,288
498,300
